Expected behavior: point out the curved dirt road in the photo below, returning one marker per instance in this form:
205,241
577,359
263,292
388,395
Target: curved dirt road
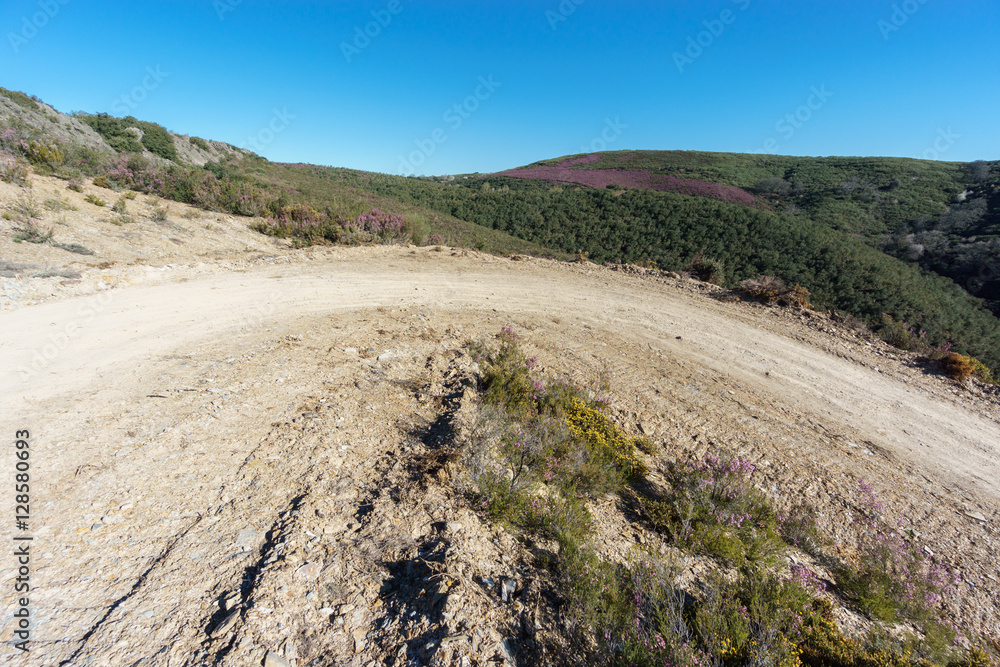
149,406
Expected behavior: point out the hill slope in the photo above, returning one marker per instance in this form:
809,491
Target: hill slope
944,216
130,154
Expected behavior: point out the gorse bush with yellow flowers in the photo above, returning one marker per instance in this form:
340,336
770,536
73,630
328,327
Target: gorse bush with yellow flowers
603,440
543,447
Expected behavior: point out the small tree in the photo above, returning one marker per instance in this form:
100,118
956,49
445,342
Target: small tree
774,186
979,171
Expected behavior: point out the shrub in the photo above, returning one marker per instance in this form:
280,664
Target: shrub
981,371
507,377
19,98
120,207
772,289
646,445
74,247
957,366
902,335
606,443
766,288
850,321
114,131
302,222
29,231
796,297
40,154
95,200
200,143
386,227
893,579
159,213
155,138
26,207
712,508
416,228
799,529
46,155
102,182
707,270
774,186
14,170
75,185
548,448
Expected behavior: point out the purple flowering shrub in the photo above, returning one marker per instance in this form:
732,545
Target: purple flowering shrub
893,577
14,169
384,227
306,225
712,508
42,153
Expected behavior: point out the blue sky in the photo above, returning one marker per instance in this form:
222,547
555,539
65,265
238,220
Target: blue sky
455,87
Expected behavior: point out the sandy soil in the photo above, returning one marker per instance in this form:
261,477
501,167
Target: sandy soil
236,455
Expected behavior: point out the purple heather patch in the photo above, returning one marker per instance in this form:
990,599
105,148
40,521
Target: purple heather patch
632,178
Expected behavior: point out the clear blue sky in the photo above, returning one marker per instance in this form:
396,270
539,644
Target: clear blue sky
911,79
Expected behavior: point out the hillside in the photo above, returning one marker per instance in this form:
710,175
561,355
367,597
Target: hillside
130,154
331,444
944,216
841,268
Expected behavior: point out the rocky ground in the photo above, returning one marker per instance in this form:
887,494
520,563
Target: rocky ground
245,454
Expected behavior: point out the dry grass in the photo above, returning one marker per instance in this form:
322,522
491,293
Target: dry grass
958,367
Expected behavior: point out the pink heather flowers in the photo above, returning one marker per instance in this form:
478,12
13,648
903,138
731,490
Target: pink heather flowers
390,228
564,172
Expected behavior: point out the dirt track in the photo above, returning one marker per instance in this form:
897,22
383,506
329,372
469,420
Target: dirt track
179,425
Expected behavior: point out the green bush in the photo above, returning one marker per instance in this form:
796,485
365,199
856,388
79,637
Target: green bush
707,269
903,336
712,508
114,131
155,138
